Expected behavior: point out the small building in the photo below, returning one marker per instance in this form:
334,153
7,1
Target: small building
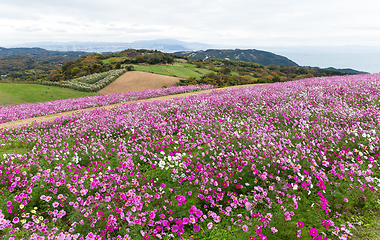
3,76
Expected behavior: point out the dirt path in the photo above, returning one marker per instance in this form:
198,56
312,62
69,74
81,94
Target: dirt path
137,81
51,117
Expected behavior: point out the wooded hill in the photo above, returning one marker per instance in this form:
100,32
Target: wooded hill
30,64
230,73
41,65
250,55
96,63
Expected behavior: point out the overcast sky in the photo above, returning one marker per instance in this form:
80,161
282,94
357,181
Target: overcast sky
228,22
235,23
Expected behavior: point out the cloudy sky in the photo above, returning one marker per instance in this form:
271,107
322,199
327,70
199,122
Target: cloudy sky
235,23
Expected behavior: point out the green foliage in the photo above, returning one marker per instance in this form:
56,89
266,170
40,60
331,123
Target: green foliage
30,64
219,79
230,73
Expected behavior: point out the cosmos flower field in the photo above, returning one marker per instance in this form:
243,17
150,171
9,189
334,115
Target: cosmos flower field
23,111
294,160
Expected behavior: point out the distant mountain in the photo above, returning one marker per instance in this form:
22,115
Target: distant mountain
343,70
39,53
346,70
169,45
163,45
250,55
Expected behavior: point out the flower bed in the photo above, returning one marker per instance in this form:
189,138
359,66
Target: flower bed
281,161
23,111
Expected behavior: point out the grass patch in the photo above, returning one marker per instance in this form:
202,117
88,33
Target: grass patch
13,93
182,70
371,231
14,148
157,69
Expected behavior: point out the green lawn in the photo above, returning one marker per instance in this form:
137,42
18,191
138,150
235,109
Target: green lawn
158,69
13,93
182,70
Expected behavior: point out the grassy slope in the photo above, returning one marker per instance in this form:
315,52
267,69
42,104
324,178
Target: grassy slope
182,70
13,93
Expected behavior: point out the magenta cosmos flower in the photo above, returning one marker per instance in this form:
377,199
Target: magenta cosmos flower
313,232
300,224
193,209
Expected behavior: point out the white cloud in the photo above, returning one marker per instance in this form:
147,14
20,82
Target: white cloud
228,22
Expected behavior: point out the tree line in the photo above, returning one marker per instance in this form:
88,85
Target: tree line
230,73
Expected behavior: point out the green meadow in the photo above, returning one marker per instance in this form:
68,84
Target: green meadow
181,70
13,93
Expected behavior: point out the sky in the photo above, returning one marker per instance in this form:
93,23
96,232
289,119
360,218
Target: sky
233,23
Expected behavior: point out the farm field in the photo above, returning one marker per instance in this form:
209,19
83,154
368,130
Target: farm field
138,81
90,83
294,160
181,70
12,93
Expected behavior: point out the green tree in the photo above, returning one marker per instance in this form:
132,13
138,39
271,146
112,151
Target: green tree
199,64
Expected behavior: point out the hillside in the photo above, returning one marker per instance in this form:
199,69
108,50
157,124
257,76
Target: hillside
39,65
29,64
230,73
32,64
250,55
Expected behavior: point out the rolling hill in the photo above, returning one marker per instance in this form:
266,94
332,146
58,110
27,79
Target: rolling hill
250,55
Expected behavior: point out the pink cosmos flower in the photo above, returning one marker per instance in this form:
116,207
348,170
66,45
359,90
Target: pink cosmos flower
313,232
287,216
193,209
300,224
15,220
209,225
245,228
298,234
185,220
175,228
196,228
198,213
